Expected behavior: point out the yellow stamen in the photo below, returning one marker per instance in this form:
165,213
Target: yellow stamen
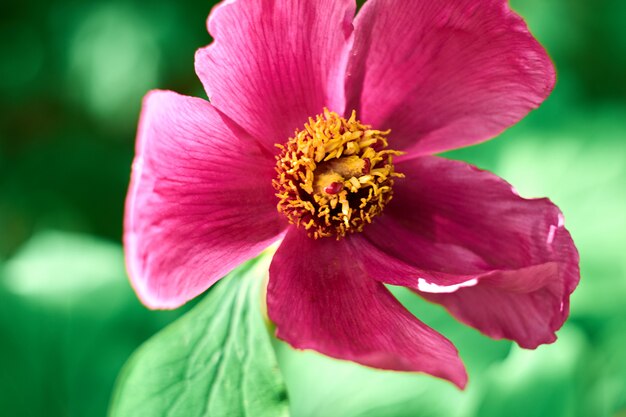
334,176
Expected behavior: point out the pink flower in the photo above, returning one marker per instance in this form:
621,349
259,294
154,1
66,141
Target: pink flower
421,77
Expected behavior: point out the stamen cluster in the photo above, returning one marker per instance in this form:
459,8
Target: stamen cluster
334,176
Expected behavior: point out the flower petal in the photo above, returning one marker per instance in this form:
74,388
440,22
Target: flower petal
321,298
463,238
200,200
275,63
443,74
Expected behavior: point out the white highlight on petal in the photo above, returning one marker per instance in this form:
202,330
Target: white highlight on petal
551,234
553,228
426,286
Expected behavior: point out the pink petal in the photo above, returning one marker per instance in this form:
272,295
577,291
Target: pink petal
200,200
321,298
443,74
274,63
463,238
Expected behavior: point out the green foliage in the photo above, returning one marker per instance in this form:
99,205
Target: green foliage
70,93
68,321
215,361
536,383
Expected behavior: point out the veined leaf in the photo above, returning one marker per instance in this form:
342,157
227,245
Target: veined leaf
216,361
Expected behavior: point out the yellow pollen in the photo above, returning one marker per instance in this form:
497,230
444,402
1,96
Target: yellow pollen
334,176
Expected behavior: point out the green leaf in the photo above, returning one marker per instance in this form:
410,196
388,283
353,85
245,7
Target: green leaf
215,361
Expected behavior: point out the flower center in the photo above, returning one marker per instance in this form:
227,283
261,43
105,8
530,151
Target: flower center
334,176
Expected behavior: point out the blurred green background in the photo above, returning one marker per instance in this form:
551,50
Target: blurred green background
72,75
